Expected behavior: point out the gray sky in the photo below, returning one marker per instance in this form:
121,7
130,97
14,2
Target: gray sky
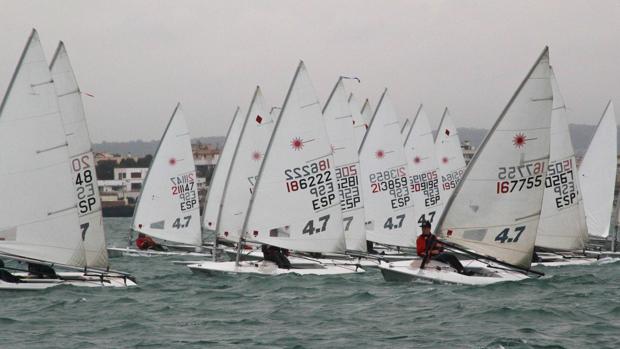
139,57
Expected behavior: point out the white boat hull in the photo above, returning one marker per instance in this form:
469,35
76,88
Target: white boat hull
77,279
372,262
131,252
270,269
437,272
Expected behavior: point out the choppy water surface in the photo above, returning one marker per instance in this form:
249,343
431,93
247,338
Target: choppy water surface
572,307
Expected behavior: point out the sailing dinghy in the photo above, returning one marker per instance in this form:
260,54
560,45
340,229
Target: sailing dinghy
247,157
597,175
388,205
167,208
215,192
424,174
562,233
493,214
52,224
295,203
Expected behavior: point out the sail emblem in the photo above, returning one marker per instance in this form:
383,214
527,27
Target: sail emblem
259,119
519,140
297,143
447,132
256,156
380,154
172,161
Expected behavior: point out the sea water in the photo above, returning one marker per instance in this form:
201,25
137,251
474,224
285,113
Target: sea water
571,307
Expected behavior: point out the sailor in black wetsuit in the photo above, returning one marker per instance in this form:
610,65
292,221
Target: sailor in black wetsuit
276,255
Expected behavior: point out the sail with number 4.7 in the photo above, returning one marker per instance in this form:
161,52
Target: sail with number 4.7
496,207
295,204
168,206
390,216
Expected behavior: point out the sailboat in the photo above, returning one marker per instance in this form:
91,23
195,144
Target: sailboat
597,175
340,129
295,203
215,192
562,228
256,130
52,224
424,177
494,212
388,205
168,206
450,157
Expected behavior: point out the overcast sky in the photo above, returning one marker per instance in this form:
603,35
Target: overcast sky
140,57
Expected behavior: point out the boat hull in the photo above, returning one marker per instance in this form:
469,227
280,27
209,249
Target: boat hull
77,279
437,272
270,269
130,252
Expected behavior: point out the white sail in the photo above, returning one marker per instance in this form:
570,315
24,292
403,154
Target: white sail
359,123
218,179
247,159
295,204
562,223
82,159
390,218
598,174
38,213
168,205
340,128
496,207
449,157
424,174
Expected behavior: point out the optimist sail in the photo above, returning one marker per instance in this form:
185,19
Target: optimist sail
598,174
82,159
38,213
449,157
340,128
295,204
496,207
390,218
424,174
562,223
247,159
168,206
213,202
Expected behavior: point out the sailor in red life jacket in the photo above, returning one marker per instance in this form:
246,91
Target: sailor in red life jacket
428,245
144,242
